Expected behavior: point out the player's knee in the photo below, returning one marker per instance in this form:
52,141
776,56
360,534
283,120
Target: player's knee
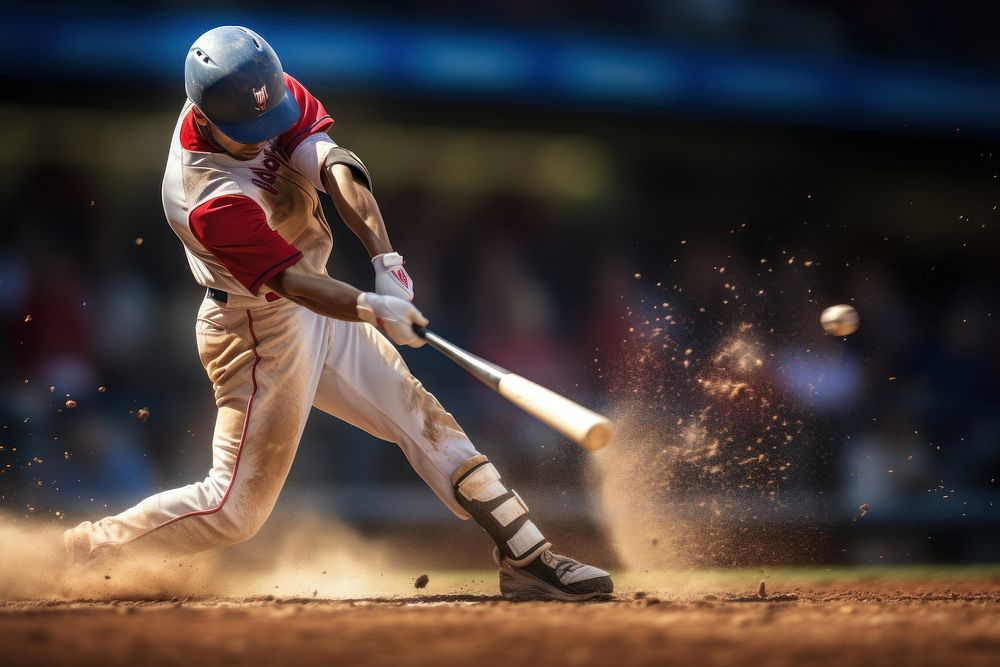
243,532
235,527
241,510
236,519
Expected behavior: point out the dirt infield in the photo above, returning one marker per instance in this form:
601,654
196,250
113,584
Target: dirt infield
875,623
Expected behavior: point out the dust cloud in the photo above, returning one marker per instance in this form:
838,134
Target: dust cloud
704,452
300,558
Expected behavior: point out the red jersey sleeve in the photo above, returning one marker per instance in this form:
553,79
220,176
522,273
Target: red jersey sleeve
312,117
234,228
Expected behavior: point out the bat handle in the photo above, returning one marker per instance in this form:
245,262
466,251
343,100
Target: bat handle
419,330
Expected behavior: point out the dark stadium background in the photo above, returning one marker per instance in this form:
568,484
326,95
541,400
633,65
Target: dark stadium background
532,158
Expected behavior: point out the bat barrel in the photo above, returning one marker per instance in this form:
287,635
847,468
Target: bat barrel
585,427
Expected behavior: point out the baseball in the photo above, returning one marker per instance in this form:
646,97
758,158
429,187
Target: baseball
840,320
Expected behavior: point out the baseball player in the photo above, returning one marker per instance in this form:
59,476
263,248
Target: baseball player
277,335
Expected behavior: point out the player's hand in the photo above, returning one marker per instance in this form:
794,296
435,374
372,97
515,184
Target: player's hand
391,279
392,315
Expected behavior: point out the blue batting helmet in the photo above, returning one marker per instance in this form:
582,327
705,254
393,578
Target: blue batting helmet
236,79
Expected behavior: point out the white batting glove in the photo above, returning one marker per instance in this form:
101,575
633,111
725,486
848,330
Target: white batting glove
391,279
392,315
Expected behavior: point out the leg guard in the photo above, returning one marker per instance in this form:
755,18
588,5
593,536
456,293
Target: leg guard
500,511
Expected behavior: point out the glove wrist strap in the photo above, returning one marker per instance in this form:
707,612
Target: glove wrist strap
386,261
365,312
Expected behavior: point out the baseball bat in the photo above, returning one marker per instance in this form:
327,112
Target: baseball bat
584,427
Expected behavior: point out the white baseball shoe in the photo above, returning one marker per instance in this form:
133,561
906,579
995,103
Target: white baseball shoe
552,577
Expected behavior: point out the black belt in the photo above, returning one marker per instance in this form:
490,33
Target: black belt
223,297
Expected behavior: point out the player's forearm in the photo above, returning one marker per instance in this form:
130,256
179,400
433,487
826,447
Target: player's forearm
320,294
357,208
333,298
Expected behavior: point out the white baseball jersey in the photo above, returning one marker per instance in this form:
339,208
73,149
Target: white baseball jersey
243,222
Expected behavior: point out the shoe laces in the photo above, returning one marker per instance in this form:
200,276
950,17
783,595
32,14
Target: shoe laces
563,564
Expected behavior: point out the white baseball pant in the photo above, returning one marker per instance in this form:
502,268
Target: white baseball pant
269,365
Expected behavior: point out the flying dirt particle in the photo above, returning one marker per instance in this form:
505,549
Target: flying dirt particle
762,590
637,276
638,595
315,591
52,389
647,601
67,456
138,241
142,415
91,202
107,577
27,318
70,403
101,389
863,510
421,581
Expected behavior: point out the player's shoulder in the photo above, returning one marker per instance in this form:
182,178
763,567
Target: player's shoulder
303,98
293,84
313,117
299,89
188,136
